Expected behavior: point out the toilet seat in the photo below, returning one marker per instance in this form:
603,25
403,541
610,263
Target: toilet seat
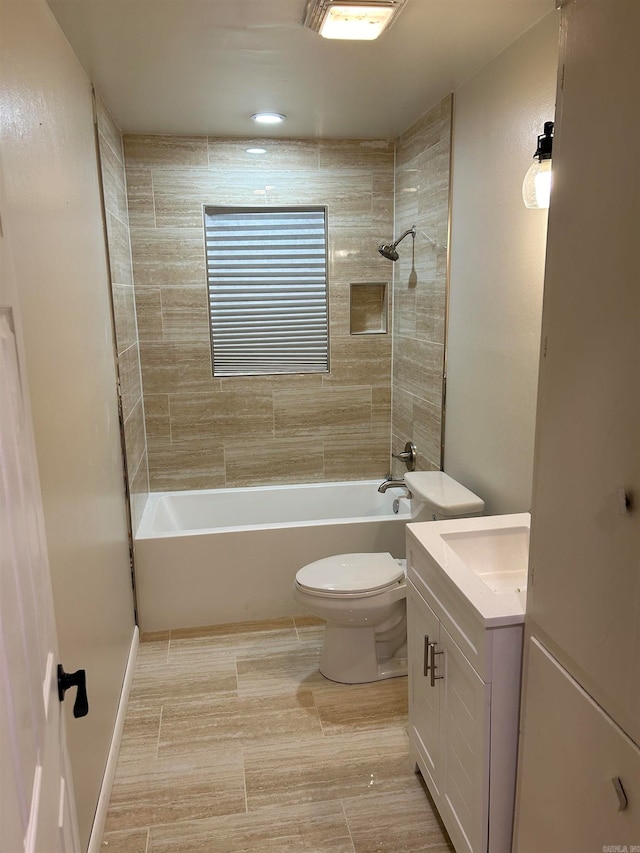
350,575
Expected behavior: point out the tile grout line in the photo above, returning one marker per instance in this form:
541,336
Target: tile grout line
159,731
244,781
346,820
146,846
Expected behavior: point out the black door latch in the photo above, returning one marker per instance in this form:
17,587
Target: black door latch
74,679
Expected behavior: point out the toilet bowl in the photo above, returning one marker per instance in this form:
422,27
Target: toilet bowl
362,597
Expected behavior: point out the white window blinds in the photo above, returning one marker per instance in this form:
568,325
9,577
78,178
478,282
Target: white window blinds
267,283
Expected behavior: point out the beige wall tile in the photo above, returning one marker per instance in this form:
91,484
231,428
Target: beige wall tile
134,437
128,841
130,385
185,313
225,415
113,181
140,196
366,154
149,314
291,154
119,251
139,491
418,369
142,150
108,128
427,429
270,461
168,185
168,256
358,456
329,411
177,366
359,360
183,468
124,315
156,411
179,195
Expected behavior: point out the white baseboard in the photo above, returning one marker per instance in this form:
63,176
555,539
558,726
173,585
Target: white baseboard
95,839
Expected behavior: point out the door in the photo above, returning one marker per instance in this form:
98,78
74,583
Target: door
37,811
465,732
424,701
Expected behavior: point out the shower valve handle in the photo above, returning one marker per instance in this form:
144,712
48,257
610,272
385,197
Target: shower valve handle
408,456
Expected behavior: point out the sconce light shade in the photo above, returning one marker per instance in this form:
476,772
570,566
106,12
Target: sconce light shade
536,187
362,20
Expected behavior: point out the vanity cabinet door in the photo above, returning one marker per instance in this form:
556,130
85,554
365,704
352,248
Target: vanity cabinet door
424,703
465,712
579,789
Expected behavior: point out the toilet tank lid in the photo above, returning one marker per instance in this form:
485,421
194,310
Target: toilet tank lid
351,573
444,494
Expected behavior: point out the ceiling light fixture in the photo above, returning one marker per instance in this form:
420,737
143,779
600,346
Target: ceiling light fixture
536,187
268,118
351,19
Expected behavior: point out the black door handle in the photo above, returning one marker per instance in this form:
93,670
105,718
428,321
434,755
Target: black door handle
74,679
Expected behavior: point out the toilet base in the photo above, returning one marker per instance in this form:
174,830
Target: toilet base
353,655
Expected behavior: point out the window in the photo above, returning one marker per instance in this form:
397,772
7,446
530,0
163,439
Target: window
267,284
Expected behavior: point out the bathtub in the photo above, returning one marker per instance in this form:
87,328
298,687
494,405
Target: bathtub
231,555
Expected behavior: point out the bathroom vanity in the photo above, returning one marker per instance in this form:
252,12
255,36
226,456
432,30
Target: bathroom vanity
466,600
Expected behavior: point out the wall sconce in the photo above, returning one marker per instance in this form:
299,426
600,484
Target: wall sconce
536,187
351,19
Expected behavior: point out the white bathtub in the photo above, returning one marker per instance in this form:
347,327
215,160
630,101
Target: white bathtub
231,555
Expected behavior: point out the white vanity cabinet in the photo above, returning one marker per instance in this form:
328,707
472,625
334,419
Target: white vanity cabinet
464,693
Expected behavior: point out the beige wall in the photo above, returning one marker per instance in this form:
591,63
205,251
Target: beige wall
114,190
53,214
204,432
423,154
497,268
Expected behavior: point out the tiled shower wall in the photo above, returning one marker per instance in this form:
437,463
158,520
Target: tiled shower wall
422,199
206,432
121,275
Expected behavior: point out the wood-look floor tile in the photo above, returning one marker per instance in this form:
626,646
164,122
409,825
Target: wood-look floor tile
153,648
178,680
134,841
299,829
266,638
280,672
165,790
327,769
403,822
209,724
140,733
347,708
311,636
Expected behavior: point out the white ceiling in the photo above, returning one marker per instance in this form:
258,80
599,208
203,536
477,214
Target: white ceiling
203,66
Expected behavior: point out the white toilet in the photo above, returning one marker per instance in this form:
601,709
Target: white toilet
363,596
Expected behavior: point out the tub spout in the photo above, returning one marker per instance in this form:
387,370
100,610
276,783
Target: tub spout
394,484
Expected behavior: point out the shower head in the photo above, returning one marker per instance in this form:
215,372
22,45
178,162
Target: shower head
388,250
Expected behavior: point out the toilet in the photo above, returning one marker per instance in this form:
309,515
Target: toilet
362,597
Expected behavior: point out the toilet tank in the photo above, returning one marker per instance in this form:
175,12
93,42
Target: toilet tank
443,496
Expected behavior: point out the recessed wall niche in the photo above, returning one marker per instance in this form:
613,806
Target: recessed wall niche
368,308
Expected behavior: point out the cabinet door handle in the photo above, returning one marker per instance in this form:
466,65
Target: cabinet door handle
434,677
425,656
623,802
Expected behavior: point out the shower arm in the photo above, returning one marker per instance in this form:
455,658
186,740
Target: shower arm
411,231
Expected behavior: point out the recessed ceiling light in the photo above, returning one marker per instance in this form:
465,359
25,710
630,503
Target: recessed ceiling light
351,19
256,150
268,118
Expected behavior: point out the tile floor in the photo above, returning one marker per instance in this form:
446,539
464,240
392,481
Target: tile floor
234,741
